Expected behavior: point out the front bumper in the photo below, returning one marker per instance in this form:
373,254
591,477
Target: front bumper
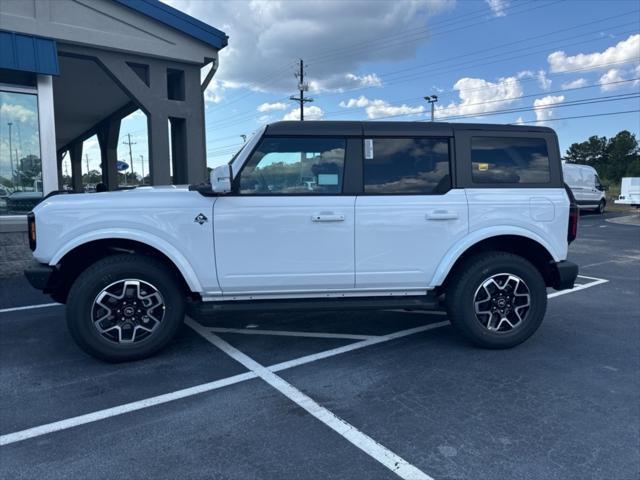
565,274
41,276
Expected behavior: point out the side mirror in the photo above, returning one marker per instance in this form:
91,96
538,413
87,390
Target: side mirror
221,179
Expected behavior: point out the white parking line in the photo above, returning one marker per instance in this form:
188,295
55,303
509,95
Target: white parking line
122,409
187,392
285,333
206,387
368,445
29,307
578,287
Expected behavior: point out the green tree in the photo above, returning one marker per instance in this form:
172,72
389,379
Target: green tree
613,158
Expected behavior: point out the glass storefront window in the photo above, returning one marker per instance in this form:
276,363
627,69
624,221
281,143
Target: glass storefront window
20,162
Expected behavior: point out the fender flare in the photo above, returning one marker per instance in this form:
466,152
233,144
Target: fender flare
459,248
180,262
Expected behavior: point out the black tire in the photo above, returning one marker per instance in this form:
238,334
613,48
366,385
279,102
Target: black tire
601,207
467,280
108,271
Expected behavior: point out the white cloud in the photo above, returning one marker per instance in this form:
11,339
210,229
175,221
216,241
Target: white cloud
269,107
349,81
543,81
479,96
577,83
335,38
16,113
310,113
359,102
519,121
543,114
612,75
624,50
214,92
381,108
498,7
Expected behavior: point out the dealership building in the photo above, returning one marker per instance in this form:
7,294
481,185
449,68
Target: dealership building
73,69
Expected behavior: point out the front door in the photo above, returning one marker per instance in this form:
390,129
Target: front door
287,228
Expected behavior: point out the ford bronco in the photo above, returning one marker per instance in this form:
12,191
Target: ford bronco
320,215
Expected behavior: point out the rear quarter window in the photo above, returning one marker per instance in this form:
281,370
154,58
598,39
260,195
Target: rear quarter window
509,160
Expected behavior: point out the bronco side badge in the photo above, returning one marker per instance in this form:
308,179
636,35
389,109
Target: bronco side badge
201,219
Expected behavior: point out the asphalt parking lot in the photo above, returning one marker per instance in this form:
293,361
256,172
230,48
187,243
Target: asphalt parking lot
357,395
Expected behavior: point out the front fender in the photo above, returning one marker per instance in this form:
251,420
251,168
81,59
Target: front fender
456,251
151,240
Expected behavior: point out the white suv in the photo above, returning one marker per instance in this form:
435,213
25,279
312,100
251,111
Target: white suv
321,215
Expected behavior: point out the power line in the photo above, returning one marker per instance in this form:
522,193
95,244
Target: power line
512,99
129,143
578,116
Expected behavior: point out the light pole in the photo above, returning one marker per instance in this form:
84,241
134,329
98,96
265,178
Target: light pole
13,175
432,100
142,167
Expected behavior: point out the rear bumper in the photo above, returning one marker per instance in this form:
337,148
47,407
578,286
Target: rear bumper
565,274
41,276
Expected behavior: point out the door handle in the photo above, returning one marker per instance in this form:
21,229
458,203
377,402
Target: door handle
327,217
441,215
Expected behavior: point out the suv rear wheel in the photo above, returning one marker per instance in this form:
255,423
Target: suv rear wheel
125,307
497,299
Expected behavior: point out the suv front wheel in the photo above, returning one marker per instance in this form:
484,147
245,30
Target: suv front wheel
125,307
497,299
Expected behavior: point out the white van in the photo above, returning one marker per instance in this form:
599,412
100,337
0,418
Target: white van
586,187
629,191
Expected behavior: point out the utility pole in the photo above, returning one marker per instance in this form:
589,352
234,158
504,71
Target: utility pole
13,175
432,100
302,87
129,142
142,167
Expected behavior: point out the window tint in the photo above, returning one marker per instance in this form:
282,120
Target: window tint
407,166
509,160
295,166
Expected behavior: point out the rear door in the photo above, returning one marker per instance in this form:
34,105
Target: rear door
408,215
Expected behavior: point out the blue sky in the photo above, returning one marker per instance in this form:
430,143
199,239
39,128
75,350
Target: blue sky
370,60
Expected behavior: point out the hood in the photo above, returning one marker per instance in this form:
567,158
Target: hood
147,197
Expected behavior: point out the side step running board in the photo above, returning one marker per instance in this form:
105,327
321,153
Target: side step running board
426,302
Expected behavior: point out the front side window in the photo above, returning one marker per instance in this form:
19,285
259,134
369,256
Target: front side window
294,165
406,166
509,160
20,164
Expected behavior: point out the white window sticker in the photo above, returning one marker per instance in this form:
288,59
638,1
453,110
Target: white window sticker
328,179
368,149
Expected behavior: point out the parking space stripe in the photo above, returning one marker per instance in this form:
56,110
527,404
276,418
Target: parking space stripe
285,333
375,450
354,346
577,287
28,307
121,409
188,392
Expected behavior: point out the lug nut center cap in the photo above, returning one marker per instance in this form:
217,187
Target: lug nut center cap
128,311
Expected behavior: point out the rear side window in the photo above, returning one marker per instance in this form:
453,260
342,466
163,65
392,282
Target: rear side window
406,166
509,160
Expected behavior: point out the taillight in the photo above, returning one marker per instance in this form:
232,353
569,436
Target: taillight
574,215
31,225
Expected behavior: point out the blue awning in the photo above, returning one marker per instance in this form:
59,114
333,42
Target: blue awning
28,53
